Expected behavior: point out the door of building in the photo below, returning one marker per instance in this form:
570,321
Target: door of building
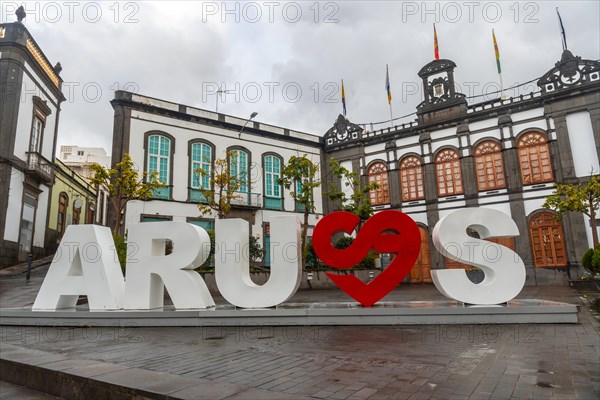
421,271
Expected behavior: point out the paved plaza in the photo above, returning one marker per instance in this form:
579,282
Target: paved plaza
263,362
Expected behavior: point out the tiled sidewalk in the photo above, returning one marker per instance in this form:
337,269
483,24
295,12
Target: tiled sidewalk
398,362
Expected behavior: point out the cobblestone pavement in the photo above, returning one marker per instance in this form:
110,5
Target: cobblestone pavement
398,362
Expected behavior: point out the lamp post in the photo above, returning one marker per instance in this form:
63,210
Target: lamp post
254,114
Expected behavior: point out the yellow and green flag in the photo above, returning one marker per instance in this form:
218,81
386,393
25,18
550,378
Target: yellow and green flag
497,52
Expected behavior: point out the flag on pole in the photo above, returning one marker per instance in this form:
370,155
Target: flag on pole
387,84
436,50
562,31
343,98
497,51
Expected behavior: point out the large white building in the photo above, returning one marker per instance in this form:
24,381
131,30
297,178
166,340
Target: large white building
78,159
504,154
175,140
29,111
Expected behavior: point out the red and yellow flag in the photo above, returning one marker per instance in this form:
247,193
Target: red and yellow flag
343,98
497,52
436,50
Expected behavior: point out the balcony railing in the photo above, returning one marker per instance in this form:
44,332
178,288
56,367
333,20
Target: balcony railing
246,199
40,167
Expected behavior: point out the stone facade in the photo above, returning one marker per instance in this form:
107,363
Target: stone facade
29,114
567,107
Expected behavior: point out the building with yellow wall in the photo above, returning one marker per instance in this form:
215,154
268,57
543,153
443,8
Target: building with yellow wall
72,201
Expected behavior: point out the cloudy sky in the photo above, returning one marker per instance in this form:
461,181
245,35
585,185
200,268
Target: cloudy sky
285,60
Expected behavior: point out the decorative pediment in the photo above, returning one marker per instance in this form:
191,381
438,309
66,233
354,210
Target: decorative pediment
436,66
342,131
569,72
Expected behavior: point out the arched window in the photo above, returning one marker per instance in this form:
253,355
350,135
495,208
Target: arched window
378,174
238,168
411,178
547,241
76,213
449,175
63,202
273,192
201,160
534,159
489,166
159,160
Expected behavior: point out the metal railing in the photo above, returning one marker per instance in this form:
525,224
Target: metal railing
247,199
39,166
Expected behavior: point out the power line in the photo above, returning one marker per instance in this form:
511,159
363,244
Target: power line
470,97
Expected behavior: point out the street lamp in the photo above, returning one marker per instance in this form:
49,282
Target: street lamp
254,114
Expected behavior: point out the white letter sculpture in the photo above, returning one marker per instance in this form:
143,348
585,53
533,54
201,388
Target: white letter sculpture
504,270
80,268
232,267
149,270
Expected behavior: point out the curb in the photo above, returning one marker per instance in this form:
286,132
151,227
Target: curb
60,376
22,268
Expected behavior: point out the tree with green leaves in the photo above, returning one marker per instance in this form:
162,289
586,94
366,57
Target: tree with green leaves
359,201
583,198
300,176
221,186
123,183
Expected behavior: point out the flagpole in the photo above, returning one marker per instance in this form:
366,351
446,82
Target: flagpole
389,93
562,31
497,54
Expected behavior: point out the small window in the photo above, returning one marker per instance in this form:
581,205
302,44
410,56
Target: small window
489,166
238,169
201,160
63,201
378,173
273,190
159,151
411,179
534,159
37,130
76,213
449,175
79,152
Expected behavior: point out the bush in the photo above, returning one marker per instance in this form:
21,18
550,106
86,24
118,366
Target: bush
209,263
595,261
121,249
586,260
256,252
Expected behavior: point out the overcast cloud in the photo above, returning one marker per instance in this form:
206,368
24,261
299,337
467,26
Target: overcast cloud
267,53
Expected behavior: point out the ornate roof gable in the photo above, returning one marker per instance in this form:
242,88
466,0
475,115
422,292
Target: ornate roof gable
342,131
569,72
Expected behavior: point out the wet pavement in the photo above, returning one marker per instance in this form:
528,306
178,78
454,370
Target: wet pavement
523,361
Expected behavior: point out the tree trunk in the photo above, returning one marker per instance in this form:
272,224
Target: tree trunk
117,217
593,223
304,234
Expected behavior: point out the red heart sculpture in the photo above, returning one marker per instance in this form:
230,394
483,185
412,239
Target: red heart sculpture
388,231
